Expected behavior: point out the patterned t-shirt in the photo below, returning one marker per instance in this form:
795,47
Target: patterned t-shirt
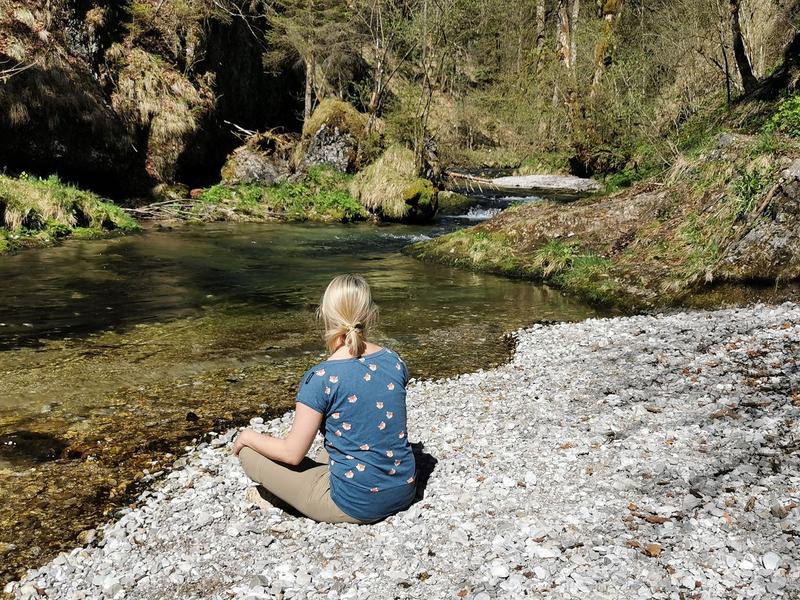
363,405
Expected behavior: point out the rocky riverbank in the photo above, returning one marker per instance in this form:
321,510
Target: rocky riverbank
648,456
729,215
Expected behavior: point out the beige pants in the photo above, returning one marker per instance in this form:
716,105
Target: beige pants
307,487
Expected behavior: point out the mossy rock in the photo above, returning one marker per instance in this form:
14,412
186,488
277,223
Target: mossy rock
391,188
169,191
336,114
333,137
453,203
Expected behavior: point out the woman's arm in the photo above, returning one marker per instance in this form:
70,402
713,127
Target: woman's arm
291,449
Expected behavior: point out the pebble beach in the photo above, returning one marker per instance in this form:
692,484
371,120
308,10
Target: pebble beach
639,457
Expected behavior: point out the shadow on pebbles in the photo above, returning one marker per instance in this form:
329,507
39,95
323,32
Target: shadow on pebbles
637,457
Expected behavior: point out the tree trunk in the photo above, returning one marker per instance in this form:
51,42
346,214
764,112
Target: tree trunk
309,89
564,41
540,24
749,81
604,51
573,33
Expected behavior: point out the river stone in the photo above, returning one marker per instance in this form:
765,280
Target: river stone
481,528
770,561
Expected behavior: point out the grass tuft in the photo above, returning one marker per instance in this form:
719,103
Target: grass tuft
50,209
392,188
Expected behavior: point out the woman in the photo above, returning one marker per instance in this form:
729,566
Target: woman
357,400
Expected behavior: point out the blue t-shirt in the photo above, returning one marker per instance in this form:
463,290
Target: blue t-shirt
363,405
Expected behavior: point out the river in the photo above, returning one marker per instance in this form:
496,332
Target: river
116,353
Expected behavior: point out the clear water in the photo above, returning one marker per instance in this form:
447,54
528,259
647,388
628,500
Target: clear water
115,352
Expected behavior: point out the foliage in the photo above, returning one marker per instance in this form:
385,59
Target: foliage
161,101
50,209
392,188
786,118
554,257
747,188
320,196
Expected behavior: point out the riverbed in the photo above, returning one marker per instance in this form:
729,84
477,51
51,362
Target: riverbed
116,353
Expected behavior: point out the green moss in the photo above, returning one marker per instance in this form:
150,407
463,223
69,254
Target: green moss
453,203
321,196
37,211
589,276
336,113
392,188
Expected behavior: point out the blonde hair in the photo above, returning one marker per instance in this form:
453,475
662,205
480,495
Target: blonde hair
347,310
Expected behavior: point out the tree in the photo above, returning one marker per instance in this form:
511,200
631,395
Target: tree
384,24
319,33
610,12
749,81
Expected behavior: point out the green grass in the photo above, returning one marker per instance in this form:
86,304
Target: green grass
786,118
391,187
35,211
320,196
554,257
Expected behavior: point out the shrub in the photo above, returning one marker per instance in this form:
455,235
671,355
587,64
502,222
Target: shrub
392,188
786,118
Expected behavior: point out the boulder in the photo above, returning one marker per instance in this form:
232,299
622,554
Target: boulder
333,137
391,188
768,251
333,148
264,159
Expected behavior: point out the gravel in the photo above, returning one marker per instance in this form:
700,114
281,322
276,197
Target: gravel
638,457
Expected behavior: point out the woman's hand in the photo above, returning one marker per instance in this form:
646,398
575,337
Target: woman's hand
241,441
291,449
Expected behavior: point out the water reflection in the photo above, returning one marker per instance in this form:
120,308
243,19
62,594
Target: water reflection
109,345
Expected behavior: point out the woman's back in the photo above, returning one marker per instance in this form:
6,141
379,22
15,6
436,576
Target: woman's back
363,403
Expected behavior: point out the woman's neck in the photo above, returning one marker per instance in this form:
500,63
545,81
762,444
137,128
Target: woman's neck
342,351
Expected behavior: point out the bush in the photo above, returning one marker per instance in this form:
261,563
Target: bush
392,188
786,118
